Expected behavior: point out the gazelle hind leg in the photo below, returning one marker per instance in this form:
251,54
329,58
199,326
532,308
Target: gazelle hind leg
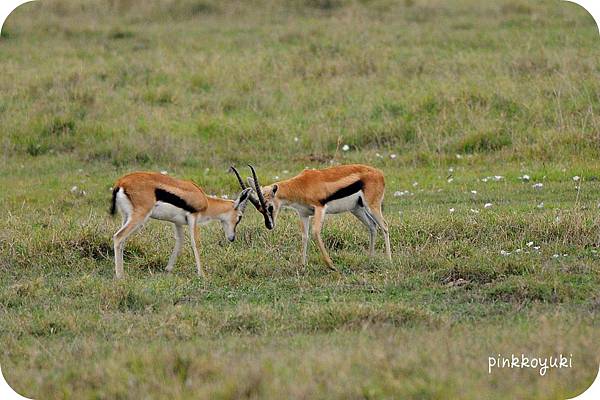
118,249
176,249
119,238
318,218
371,225
378,217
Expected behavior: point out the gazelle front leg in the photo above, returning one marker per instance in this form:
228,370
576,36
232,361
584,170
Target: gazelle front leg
195,238
304,225
177,248
316,230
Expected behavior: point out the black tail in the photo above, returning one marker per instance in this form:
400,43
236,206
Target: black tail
113,206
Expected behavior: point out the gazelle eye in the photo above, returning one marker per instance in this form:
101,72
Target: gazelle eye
270,208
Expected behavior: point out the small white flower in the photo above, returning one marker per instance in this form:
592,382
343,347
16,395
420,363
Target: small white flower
518,250
398,194
555,255
576,178
296,139
393,156
452,179
276,177
474,211
285,171
536,247
537,186
525,177
487,205
565,255
224,196
484,180
377,155
450,169
473,191
498,177
451,210
529,244
541,205
504,253
73,189
346,147
459,156
164,173
557,219
415,184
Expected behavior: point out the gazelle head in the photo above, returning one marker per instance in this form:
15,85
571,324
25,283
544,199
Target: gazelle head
264,199
232,217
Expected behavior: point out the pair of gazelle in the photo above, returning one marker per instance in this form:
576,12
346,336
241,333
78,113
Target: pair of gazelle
358,189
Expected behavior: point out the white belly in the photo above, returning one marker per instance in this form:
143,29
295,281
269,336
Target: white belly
168,212
343,205
333,207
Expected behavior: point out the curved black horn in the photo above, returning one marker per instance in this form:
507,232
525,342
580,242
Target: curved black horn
261,198
251,197
239,178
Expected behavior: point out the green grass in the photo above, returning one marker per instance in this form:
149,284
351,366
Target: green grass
458,91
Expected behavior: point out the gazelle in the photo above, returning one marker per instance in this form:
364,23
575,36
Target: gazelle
358,189
142,195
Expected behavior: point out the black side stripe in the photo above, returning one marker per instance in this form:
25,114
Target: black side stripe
344,192
168,197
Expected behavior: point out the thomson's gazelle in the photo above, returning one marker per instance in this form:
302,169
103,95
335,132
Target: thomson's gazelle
142,195
358,189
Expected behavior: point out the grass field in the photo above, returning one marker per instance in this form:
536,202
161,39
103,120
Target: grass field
460,103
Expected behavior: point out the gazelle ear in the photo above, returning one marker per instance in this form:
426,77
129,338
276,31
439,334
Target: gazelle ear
242,199
274,190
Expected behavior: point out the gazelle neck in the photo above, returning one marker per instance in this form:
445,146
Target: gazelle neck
287,191
217,208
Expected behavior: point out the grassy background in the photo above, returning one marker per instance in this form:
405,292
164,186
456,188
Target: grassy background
440,95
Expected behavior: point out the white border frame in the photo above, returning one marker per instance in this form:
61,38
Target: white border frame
8,6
